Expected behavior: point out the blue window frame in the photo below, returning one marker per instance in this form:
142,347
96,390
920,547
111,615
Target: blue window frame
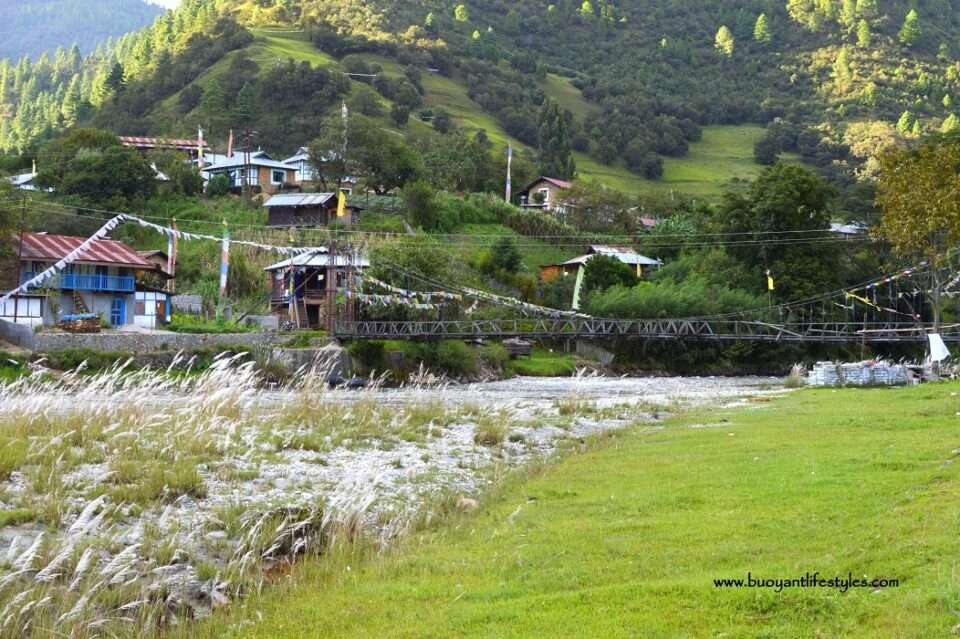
118,311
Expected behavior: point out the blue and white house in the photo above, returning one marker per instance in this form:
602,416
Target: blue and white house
104,281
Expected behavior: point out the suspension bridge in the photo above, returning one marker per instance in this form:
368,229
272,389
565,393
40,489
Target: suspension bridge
894,308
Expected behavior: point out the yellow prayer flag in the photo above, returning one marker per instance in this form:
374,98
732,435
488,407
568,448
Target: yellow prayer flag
770,286
341,204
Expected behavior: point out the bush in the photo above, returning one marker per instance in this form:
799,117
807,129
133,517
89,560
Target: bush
368,353
71,358
421,203
198,325
604,271
218,186
495,356
670,299
506,257
455,358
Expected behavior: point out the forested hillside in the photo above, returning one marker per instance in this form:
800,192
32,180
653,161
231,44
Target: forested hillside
38,26
627,85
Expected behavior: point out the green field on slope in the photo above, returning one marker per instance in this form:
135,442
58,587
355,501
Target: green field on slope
724,154
626,540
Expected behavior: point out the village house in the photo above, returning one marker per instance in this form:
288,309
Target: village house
307,209
107,281
641,263
306,174
299,286
546,194
254,169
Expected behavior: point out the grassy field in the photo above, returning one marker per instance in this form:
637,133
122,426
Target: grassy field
543,363
627,539
567,96
535,253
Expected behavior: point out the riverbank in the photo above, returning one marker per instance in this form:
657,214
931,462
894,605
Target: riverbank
141,499
628,538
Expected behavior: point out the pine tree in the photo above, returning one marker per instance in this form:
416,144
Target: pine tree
842,72
586,9
903,124
864,38
554,134
245,109
70,108
461,13
867,9
911,33
761,30
724,42
917,130
947,102
950,124
848,13
116,79
430,23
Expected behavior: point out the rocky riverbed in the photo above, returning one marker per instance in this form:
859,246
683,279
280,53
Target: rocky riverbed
142,497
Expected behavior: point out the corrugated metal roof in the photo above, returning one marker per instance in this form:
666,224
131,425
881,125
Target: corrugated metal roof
44,247
299,199
318,260
257,158
627,258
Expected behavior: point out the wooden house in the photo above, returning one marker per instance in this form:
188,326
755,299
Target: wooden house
256,170
307,209
307,176
299,286
104,281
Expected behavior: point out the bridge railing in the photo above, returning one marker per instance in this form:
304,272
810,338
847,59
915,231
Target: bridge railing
661,329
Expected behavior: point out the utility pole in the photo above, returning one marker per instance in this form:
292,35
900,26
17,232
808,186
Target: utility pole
332,288
345,119
16,298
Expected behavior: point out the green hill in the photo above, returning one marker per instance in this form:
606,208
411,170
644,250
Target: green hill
661,96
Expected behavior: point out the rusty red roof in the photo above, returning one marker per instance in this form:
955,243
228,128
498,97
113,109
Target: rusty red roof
161,143
50,248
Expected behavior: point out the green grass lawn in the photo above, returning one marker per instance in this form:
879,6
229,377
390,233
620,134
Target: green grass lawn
567,96
625,540
543,363
723,155
535,253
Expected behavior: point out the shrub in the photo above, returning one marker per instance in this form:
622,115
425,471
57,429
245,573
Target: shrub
71,358
670,299
218,186
604,271
495,356
199,325
370,354
455,358
422,207
491,430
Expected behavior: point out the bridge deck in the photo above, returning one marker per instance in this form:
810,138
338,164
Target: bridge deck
659,329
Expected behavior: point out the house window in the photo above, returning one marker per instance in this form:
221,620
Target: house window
545,196
278,177
346,191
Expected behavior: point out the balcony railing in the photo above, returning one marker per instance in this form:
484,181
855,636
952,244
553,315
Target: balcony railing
74,281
